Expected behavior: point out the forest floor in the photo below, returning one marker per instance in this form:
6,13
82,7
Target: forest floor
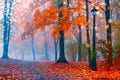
47,70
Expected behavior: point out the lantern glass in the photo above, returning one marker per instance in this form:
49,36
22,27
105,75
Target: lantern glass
94,11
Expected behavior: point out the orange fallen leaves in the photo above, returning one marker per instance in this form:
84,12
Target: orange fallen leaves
48,69
82,71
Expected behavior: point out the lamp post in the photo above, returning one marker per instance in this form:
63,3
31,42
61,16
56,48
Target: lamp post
93,60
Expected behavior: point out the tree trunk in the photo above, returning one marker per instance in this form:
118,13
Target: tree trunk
109,37
107,13
33,49
62,58
7,23
87,34
55,44
46,47
5,49
80,44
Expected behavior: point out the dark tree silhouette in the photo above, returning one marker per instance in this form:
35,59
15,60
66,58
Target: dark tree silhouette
109,32
80,44
87,33
62,58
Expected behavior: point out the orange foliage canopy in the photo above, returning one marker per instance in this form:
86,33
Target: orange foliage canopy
44,18
51,16
80,20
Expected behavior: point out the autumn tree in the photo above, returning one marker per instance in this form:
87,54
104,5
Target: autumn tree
62,58
61,18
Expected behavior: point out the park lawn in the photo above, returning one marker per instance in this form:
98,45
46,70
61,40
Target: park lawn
48,70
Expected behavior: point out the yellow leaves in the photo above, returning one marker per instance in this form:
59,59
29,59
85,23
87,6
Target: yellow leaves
110,20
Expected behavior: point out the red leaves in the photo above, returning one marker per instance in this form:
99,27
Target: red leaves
105,47
47,69
6,76
81,71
